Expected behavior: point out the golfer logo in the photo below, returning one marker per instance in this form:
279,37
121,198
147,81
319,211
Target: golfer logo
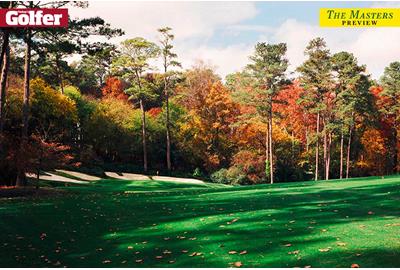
34,18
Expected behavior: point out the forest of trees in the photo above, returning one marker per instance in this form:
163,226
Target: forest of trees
112,110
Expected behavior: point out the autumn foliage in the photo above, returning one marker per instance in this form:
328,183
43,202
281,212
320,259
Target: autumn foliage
114,87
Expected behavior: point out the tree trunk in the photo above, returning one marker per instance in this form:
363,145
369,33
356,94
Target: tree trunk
27,75
60,75
317,150
328,156
25,107
271,164
348,153
267,150
325,150
167,125
341,155
396,151
3,86
307,140
144,136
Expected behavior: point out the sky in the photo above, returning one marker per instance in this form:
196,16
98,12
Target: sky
223,34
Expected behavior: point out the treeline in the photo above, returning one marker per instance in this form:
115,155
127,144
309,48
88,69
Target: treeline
112,110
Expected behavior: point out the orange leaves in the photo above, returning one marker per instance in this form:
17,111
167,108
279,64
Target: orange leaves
114,88
208,128
375,151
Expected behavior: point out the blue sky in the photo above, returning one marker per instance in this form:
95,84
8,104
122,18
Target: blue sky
223,34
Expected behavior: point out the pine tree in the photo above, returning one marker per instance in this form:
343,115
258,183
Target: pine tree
168,60
316,79
132,64
268,69
391,109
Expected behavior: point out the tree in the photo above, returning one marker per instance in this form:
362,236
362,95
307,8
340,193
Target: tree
41,34
132,63
352,97
316,79
168,59
4,64
268,69
208,127
391,107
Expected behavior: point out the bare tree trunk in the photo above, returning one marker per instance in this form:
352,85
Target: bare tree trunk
144,136
25,108
328,156
341,155
60,75
348,153
317,150
396,151
267,148
271,161
3,86
325,149
27,75
167,125
307,140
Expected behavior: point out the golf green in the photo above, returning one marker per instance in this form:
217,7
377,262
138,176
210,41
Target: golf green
117,223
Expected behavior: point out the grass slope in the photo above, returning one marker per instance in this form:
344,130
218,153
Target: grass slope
114,223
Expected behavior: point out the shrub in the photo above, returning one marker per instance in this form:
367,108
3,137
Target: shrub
220,176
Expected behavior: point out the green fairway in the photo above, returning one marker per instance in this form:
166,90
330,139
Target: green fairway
116,223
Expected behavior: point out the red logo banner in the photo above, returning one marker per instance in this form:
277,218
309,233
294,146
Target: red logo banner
34,18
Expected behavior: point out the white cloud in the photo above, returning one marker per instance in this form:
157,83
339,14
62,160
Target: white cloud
375,47
226,60
196,23
188,19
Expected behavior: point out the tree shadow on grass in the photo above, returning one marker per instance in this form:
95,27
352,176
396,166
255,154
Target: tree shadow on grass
315,224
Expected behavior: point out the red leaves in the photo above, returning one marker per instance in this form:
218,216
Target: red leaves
114,88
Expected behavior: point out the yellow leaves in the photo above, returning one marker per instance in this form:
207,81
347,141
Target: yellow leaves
47,102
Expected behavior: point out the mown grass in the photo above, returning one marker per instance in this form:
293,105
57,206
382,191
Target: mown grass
116,223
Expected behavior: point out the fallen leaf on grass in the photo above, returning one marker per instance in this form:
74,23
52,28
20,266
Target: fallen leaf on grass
159,257
171,262
195,254
324,249
243,252
238,264
354,265
130,247
394,225
139,261
185,251
341,244
370,213
232,252
288,245
295,252
106,261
